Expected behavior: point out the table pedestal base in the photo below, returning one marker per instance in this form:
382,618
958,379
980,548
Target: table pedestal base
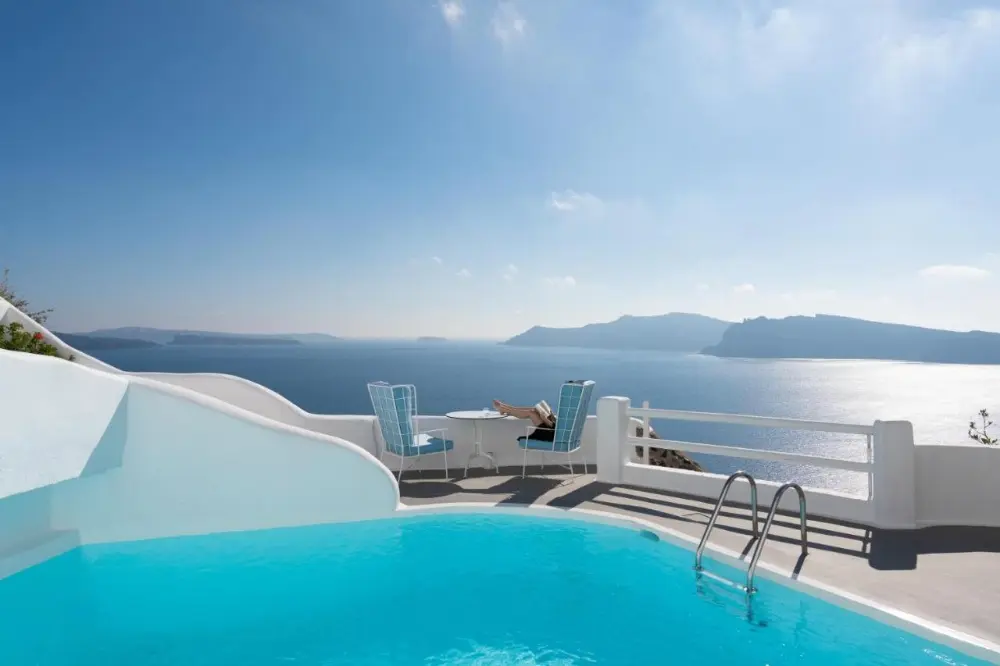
479,453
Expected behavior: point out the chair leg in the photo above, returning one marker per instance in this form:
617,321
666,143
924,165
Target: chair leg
446,464
569,459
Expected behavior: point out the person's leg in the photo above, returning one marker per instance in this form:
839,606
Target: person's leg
519,412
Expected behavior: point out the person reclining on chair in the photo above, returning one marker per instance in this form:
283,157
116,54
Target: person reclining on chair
540,415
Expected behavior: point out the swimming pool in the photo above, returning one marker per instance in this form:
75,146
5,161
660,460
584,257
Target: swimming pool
436,589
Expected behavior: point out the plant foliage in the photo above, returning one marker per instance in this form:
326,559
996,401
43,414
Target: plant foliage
13,337
980,431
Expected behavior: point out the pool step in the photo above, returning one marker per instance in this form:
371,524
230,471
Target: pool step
731,596
17,556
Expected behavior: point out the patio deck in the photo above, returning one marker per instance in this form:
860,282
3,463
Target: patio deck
950,576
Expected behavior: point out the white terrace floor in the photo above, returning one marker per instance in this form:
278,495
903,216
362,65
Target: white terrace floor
947,575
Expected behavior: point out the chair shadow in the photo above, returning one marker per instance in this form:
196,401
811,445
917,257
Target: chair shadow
517,491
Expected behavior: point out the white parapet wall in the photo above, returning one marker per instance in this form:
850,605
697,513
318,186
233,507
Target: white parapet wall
911,486
87,456
958,485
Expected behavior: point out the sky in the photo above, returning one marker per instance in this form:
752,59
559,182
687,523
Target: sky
397,168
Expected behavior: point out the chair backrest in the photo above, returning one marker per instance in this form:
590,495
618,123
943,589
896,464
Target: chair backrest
396,410
571,414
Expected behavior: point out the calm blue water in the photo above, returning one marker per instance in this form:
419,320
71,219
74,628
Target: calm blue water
432,590
938,399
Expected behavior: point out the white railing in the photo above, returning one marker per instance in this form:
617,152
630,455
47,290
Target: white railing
889,461
751,454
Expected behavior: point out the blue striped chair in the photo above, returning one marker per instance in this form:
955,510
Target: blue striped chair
571,414
396,411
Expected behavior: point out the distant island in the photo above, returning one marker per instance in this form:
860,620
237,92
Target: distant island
431,338
196,339
86,343
834,337
165,336
677,331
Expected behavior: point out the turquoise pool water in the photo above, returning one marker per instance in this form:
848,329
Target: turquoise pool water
433,589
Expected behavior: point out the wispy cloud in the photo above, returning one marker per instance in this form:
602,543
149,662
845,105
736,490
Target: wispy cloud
508,23
571,201
565,282
452,11
924,54
437,260
954,272
464,273
745,288
743,46
702,287
889,53
510,272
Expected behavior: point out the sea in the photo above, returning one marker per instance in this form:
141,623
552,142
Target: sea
939,399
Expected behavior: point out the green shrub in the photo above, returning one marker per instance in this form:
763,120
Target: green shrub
13,337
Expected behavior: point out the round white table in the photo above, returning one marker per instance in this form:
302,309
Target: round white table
477,415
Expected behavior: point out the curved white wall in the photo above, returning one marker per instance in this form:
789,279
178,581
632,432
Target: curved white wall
237,391
191,467
53,416
112,457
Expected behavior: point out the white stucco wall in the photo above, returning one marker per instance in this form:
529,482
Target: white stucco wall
53,415
958,485
191,467
107,457
236,391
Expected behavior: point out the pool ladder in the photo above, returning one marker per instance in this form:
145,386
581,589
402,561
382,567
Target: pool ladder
761,537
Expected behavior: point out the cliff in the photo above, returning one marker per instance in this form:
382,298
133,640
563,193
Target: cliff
833,337
666,457
676,331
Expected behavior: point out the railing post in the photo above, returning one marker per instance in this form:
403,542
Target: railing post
612,423
645,433
894,476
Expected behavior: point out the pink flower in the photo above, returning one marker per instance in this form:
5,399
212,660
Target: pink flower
37,336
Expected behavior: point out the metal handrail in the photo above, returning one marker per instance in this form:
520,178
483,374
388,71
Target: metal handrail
718,508
767,528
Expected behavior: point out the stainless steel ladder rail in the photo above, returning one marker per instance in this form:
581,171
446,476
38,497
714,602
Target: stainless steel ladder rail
767,528
718,507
